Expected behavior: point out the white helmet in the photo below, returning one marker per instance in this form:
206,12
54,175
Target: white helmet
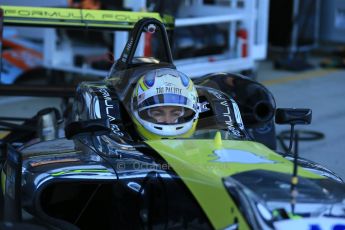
165,104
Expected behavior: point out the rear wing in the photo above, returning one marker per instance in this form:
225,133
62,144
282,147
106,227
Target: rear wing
78,18
67,18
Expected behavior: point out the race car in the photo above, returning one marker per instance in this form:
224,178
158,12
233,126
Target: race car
105,174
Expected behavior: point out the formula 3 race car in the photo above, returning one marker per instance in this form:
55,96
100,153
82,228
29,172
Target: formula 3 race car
104,175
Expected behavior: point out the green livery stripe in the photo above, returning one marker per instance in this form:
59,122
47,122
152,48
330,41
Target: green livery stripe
202,169
3,134
77,171
101,19
3,181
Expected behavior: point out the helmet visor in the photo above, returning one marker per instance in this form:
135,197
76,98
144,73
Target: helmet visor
167,115
164,99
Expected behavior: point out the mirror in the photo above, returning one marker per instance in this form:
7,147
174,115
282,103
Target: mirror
293,116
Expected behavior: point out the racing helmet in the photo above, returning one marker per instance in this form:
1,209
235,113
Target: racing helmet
165,104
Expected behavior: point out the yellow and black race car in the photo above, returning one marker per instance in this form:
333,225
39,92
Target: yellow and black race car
104,175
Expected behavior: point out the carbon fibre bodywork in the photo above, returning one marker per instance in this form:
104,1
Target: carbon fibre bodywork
112,179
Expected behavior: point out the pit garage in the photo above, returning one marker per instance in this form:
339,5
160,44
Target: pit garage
264,151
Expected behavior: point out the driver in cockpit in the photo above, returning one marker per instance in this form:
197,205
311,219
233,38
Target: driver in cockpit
165,104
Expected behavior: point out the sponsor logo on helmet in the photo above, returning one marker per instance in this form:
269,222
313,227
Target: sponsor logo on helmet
168,89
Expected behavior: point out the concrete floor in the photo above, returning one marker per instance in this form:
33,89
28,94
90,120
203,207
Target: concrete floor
321,90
